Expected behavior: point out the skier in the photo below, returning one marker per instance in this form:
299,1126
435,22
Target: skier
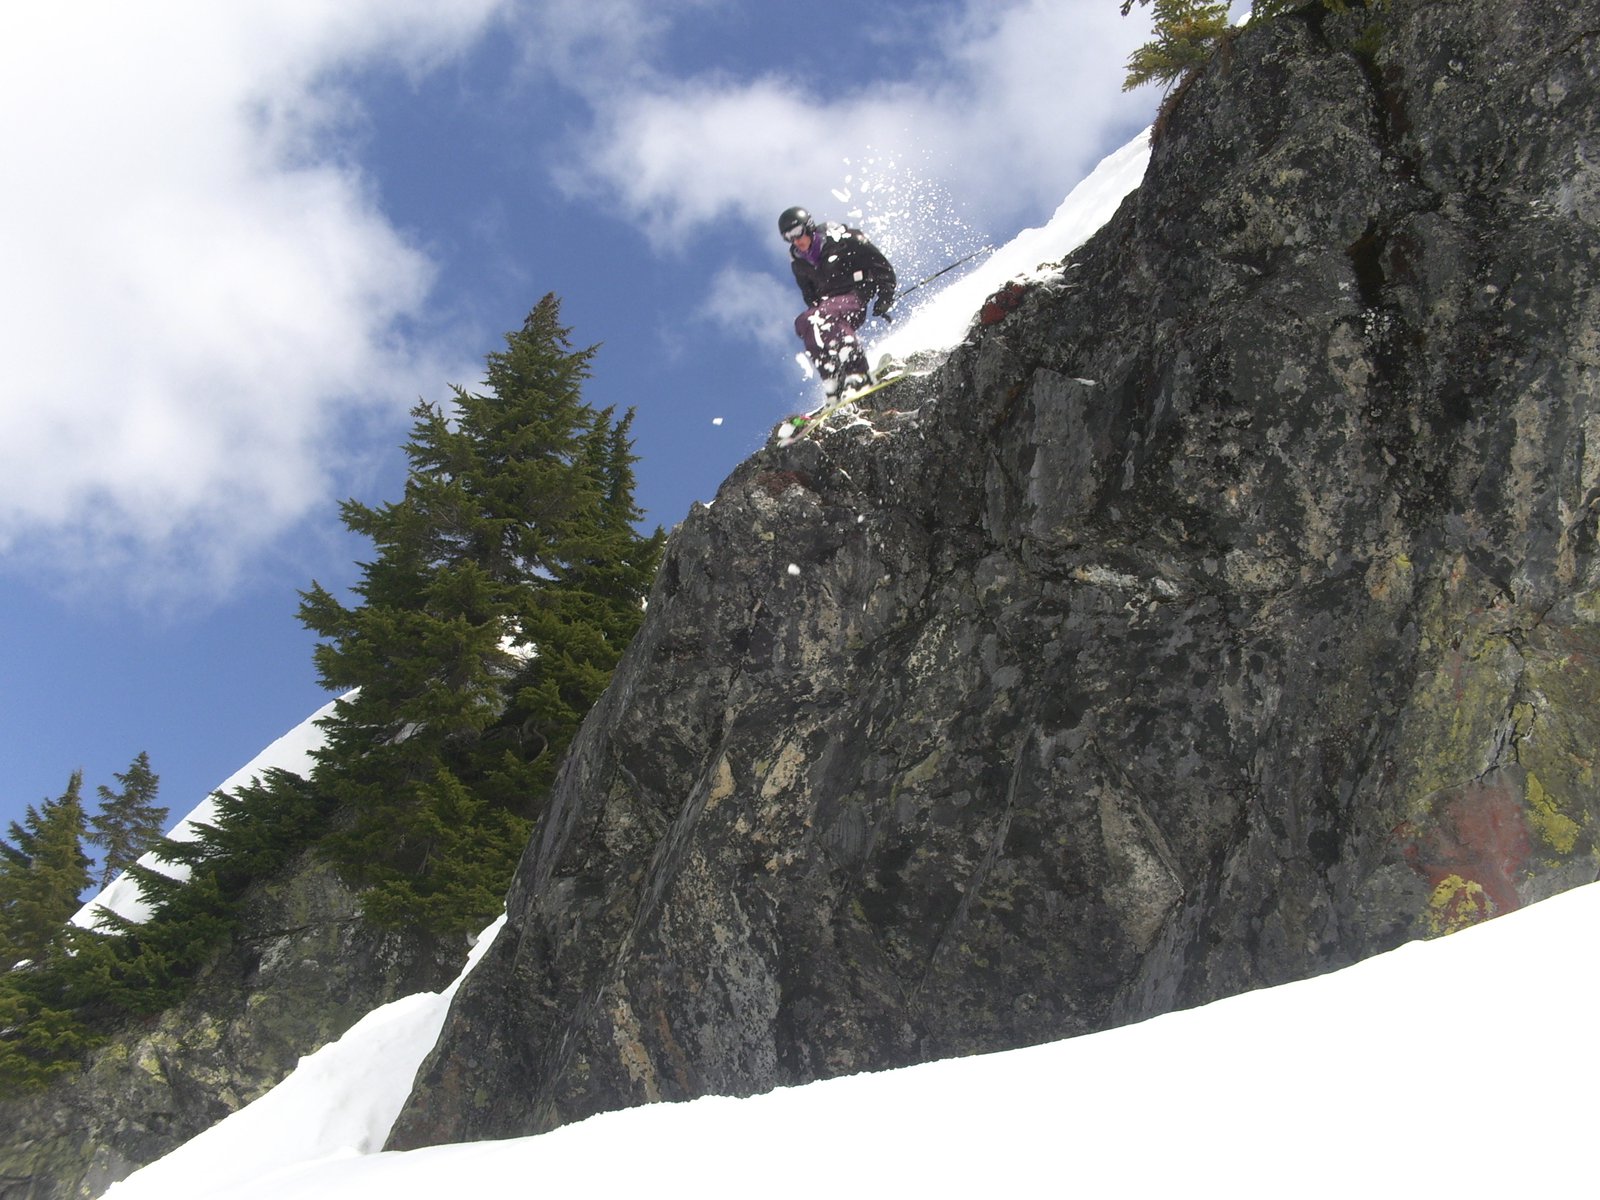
840,274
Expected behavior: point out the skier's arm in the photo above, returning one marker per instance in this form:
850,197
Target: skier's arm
808,288
875,279
881,274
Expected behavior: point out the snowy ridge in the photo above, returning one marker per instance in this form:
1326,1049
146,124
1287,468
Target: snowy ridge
291,752
942,321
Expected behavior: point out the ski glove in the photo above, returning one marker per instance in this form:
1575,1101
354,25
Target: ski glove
881,308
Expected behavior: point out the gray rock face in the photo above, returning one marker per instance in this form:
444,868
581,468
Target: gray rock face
304,969
1224,615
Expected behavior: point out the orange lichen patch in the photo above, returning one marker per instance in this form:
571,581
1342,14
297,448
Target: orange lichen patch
1472,849
777,483
1003,303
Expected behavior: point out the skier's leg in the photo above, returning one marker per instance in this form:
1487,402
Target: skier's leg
812,326
838,318
852,358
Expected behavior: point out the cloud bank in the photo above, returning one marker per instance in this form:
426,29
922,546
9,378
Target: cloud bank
198,290
951,125
1009,104
204,308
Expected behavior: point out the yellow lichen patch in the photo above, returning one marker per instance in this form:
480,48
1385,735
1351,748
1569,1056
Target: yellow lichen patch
1456,717
1559,749
627,1037
785,771
1559,831
1524,717
721,783
1457,903
923,772
1390,578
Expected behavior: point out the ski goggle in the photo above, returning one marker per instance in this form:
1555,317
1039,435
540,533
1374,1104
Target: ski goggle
795,234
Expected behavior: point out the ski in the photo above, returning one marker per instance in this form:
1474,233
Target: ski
797,426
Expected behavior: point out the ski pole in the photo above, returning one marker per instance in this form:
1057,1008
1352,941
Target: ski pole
942,270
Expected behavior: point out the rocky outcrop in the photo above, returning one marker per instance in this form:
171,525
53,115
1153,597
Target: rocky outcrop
302,970
1226,613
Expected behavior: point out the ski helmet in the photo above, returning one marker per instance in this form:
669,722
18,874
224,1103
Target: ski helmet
793,222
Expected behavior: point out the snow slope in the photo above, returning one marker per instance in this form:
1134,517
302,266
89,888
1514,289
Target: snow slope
1459,1065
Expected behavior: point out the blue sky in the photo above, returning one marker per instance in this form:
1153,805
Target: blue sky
240,241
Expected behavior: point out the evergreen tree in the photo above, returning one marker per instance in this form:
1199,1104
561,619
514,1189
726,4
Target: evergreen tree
37,1042
129,821
1186,34
507,581
43,871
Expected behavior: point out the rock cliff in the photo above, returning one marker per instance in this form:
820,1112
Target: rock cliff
1226,613
302,970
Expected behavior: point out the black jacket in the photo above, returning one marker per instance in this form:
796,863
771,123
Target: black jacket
848,263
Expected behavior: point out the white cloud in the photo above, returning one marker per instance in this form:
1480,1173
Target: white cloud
196,291
753,306
596,46
1020,100
1010,103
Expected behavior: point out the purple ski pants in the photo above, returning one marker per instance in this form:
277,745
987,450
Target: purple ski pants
828,330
